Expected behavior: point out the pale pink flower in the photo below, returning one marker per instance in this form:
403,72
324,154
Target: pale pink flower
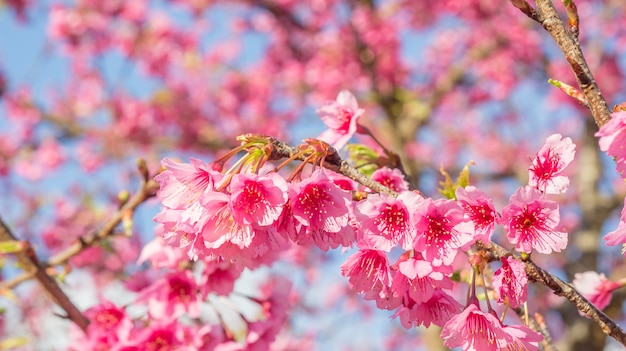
182,184
418,279
545,173
510,282
618,236
321,212
530,222
595,287
442,229
385,222
341,117
474,329
391,178
522,338
368,272
172,295
162,255
613,138
478,206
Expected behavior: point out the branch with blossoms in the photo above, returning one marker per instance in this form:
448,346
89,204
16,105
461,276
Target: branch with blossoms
231,213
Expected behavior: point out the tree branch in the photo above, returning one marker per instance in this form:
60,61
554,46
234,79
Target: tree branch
147,190
29,262
560,288
570,47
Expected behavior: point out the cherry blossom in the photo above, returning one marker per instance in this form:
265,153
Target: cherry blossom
474,329
510,282
341,117
442,230
531,222
479,208
595,287
386,222
618,236
613,138
545,173
320,210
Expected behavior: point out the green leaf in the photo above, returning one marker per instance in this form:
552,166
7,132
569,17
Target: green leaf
364,158
448,188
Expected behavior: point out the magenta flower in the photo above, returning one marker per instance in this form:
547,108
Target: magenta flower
385,222
442,229
530,222
479,208
341,117
391,178
618,236
108,323
257,200
321,212
368,272
595,287
474,329
510,282
545,173
418,279
613,138
438,309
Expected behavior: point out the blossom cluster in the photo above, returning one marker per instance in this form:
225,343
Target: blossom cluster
245,217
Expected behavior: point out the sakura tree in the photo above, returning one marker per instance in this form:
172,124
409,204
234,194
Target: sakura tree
287,175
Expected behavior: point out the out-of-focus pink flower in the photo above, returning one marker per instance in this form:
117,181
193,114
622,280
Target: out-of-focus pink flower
530,222
510,282
595,287
613,138
479,208
545,173
618,236
172,296
341,118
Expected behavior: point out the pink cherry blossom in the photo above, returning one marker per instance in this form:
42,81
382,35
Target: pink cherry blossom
418,279
522,338
181,184
531,222
368,272
391,178
341,117
172,295
595,287
438,309
109,323
385,222
321,212
510,282
479,208
618,236
442,229
474,329
613,138
257,199
545,173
